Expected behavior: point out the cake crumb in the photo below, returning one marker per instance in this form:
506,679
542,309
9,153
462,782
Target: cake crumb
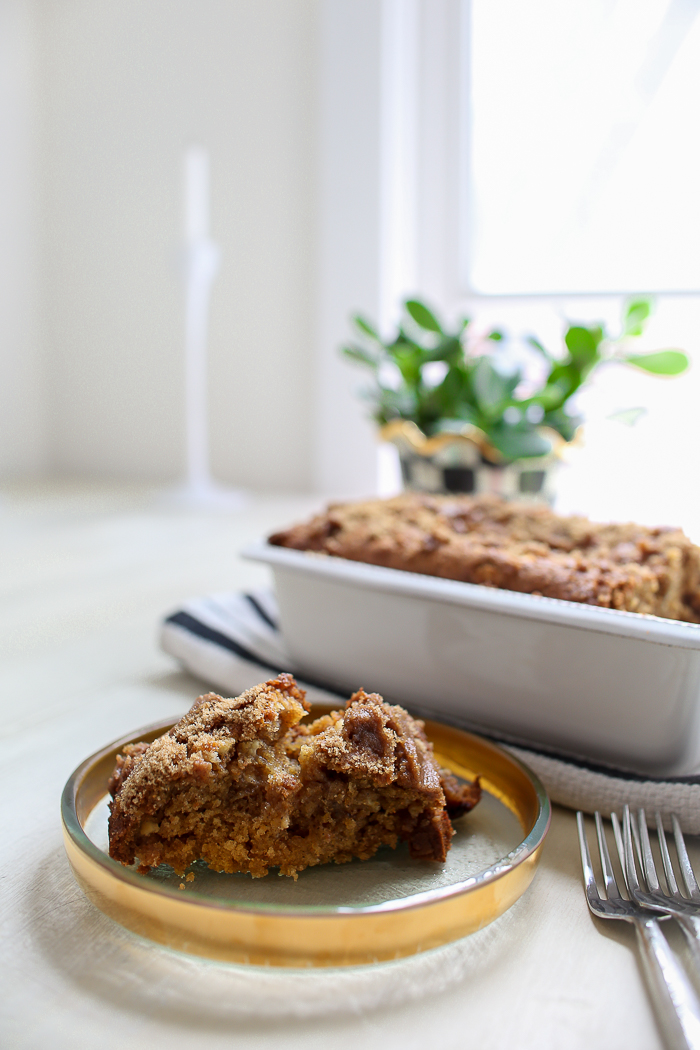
189,877
182,885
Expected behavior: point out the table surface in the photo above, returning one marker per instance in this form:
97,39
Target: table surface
87,573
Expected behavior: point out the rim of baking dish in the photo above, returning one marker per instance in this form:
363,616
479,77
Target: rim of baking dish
644,626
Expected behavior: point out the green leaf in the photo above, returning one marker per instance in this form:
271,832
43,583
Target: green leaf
511,380
456,424
660,362
423,316
563,380
361,356
552,396
638,310
454,392
409,366
392,403
401,340
495,335
583,343
636,315
562,422
448,349
490,387
365,327
521,442
628,416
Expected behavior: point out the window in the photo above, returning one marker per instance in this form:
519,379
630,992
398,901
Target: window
582,163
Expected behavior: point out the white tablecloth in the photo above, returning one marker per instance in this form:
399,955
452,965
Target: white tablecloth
86,577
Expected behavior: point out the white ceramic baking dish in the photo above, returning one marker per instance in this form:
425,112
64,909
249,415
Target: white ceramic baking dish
618,687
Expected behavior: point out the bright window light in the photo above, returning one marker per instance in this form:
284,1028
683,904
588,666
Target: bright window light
584,147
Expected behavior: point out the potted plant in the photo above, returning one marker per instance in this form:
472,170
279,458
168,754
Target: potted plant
466,419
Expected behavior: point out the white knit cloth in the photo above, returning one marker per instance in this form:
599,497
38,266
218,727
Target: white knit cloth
229,640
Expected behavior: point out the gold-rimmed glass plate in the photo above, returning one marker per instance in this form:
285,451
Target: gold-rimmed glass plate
350,914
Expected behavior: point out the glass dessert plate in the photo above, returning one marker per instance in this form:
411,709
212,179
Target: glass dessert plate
333,915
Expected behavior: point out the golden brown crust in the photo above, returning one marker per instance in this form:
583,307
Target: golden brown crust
243,785
514,546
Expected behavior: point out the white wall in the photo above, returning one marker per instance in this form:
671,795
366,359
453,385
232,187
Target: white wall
125,86
287,97
349,269
22,447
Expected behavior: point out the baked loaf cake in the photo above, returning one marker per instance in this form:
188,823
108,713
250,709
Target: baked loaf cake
515,546
241,784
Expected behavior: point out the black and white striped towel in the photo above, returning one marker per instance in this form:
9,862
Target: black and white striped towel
230,641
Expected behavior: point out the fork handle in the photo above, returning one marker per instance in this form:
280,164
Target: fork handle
677,1004
690,924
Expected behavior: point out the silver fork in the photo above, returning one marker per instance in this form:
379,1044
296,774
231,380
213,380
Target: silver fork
685,910
675,1000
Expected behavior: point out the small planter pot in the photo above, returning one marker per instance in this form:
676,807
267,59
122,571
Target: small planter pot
457,463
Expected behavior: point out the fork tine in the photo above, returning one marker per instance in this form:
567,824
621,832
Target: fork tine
588,874
619,842
636,840
630,866
646,857
684,860
617,832
608,874
666,858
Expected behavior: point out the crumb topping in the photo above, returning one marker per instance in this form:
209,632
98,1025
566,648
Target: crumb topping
514,546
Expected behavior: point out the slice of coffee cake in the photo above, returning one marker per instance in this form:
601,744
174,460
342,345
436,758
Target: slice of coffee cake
241,784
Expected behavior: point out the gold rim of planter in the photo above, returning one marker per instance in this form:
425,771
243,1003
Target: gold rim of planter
277,935
405,430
